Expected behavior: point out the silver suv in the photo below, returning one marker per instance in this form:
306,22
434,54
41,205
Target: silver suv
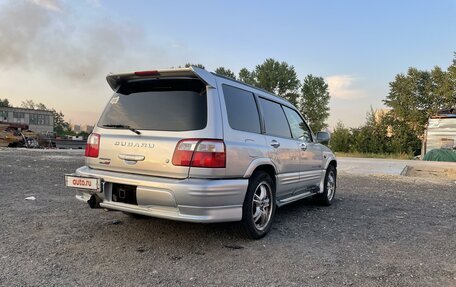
190,145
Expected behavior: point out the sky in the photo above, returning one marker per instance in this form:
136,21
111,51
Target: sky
59,52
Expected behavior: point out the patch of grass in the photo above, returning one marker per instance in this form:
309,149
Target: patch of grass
375,155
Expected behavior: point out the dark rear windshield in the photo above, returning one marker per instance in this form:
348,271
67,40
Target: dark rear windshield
163,105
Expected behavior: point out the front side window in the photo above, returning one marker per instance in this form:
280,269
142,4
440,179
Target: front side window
241,109
298,127
274,119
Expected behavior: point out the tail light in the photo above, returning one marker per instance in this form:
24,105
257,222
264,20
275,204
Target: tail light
93,145
200,153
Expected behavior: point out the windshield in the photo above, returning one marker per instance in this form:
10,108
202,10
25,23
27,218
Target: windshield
163,105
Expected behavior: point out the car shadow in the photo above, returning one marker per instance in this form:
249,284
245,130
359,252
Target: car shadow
149,227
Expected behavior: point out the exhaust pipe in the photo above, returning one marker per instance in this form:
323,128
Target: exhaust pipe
94,201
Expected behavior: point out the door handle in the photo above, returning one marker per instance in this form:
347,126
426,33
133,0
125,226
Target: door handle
131,157
303,146
275,144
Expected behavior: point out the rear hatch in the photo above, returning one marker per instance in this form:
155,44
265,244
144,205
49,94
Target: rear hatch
143,122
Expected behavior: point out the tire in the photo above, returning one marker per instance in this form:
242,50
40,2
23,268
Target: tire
327,197
259,206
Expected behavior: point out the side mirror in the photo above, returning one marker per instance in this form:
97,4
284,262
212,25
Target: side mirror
323,137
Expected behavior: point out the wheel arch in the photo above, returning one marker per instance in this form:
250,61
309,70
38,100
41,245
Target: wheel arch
331,161
265,165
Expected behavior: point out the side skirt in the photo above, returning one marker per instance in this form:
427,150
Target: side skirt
297,197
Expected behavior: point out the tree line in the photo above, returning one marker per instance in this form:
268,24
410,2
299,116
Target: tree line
413,97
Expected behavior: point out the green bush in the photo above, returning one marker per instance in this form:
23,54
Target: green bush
379,135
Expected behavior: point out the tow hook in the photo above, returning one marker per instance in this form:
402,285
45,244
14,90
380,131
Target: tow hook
94,201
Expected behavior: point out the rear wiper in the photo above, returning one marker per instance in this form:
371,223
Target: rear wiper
122,127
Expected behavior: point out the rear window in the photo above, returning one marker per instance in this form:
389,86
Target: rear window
242,110
162,105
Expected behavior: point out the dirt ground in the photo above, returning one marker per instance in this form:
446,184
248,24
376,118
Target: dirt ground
381,231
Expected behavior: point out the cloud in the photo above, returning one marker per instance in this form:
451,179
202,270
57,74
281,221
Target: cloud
17,37
341,87
43,41
52,5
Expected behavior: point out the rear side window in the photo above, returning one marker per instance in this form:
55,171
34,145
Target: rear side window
298,127
161,104
274,119
242,110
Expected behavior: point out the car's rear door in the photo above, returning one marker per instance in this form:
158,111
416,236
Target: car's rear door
283,149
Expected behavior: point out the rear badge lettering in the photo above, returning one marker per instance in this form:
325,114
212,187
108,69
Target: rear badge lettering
132,144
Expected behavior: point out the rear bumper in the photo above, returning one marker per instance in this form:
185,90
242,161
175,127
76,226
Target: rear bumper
193,200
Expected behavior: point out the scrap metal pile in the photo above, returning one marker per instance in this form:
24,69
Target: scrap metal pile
18,135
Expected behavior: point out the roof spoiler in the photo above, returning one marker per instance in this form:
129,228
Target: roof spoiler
115,81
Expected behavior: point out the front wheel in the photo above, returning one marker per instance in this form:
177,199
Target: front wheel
326,198
259,206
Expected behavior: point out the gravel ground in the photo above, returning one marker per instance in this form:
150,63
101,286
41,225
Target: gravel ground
381,231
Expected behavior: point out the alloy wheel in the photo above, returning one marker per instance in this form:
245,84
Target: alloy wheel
262,205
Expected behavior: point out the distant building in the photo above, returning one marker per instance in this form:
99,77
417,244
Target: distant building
380,113
39,121
77,128
82,128
88,129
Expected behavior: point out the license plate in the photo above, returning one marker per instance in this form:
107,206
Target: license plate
82,182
